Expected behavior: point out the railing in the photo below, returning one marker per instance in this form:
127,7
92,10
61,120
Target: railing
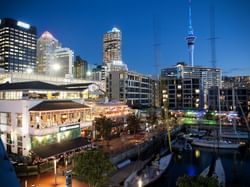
5,128
55,129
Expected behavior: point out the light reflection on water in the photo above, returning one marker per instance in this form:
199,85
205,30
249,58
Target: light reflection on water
236,166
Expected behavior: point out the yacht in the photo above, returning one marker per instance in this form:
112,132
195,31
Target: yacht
234,135
212,143
150,173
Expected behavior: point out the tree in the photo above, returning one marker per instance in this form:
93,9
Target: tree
104,125
133,123
152,116
93,167
197,181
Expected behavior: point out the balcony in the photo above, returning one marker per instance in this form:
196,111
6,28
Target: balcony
55,129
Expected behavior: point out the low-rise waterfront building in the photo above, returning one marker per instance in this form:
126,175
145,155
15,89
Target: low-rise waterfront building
36,113
235,99
113,110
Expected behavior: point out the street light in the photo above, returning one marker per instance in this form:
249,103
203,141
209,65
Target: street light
56,67
55,170
89,73
139,183
29,70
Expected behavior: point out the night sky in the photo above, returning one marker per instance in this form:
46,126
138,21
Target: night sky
80,25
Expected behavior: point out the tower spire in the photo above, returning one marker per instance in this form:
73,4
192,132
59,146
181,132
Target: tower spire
190,28
190,37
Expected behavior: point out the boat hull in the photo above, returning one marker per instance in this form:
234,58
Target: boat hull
215,144
145,175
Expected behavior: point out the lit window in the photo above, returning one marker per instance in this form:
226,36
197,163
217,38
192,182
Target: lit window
19,119
197,91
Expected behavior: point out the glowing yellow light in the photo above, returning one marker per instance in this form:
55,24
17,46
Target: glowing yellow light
67,134
197,153
39,139
58,137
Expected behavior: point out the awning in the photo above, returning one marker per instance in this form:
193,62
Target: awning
60,148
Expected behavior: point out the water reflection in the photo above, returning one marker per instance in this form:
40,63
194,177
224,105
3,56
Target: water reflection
236,165
197,153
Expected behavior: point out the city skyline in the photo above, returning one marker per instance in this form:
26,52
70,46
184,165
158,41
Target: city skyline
89,20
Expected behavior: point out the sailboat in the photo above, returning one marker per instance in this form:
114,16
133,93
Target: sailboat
217,143
150,173
211,143
218,172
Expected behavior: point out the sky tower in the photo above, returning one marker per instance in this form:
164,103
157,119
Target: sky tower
190,37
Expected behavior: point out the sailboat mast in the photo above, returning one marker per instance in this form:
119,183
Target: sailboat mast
219,109
166,119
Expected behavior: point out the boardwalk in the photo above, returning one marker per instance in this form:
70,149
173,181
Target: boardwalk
48,180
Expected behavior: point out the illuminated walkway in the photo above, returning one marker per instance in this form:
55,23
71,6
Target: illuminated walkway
48,180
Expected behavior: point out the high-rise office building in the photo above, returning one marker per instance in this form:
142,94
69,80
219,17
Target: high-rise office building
46,46
17,46
80,68
112,42
62,64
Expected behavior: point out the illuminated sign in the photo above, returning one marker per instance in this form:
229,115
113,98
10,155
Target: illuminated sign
22,24
69,127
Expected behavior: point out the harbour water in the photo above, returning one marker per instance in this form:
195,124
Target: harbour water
236,165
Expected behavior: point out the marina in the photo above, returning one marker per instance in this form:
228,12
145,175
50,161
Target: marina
236,166
150,173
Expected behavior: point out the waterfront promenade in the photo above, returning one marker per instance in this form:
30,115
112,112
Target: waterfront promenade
115,147
48,180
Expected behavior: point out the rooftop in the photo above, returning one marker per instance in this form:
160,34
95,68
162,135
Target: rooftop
38,85
60,148
31,85
57,105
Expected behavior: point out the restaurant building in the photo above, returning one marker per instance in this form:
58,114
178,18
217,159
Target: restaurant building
33,114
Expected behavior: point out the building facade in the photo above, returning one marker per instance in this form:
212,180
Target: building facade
112,42
114,110
232,99
186,87
34,114
80,68
235,81
130,87
46,46
17,46
63,63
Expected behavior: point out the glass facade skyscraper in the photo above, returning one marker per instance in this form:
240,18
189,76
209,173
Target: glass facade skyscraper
17,46
46,46
112,47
